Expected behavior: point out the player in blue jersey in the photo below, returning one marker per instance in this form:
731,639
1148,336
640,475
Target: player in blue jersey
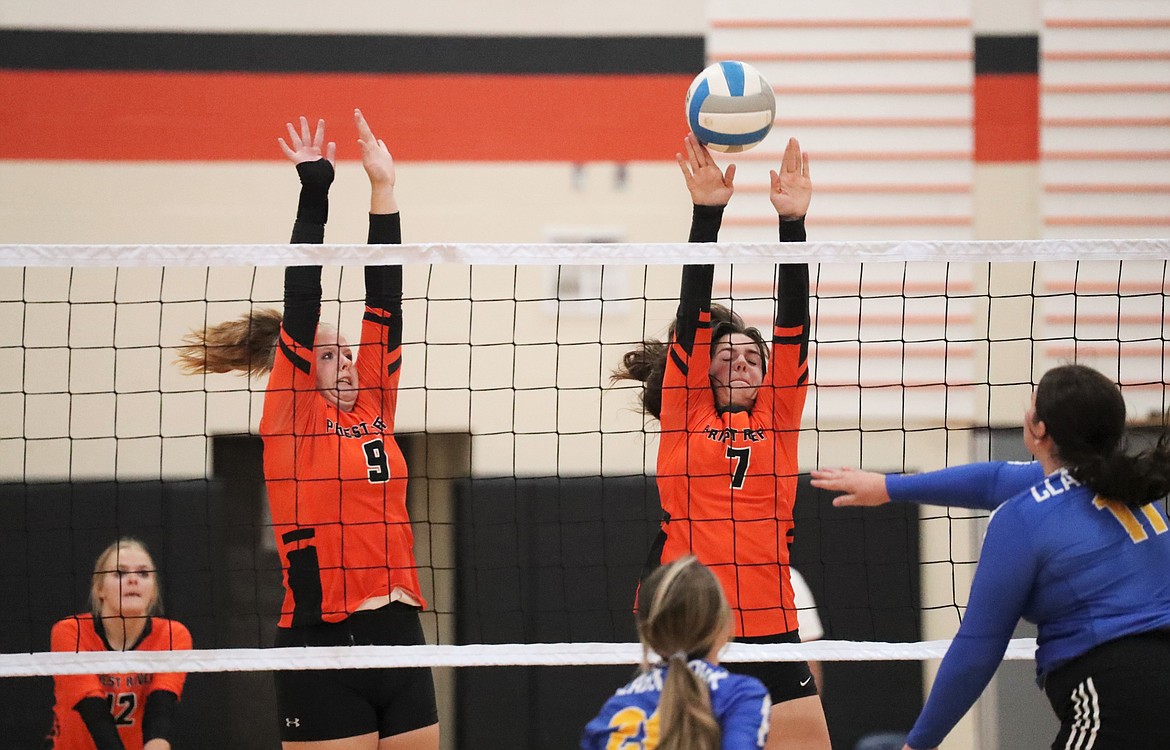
687,701
1078,546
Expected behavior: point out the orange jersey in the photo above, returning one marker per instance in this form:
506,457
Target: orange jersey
124,693
727,481
337,482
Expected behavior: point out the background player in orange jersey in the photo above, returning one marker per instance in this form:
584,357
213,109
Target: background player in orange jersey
336,477
131,711
730,408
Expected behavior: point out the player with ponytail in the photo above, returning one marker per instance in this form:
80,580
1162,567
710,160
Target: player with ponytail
686,701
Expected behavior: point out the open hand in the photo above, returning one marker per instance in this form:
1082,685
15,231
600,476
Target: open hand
376,158
791,189
858,488
707,183
302,147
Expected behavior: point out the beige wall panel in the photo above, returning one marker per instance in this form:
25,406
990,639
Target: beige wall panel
365,16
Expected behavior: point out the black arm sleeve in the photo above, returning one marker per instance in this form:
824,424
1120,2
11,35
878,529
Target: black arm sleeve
792,231
302,303
792,295
313,205
302,284
695,296
158,718
792,283
384,283
705,223
100,723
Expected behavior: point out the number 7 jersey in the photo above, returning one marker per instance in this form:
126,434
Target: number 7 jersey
727,479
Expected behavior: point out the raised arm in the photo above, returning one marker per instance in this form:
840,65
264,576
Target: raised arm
383,283
790,193
382,321
710,188
302,284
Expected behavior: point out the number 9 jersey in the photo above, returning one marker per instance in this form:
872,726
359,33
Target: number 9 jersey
337,480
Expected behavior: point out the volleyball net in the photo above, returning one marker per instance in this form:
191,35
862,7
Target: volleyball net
532,493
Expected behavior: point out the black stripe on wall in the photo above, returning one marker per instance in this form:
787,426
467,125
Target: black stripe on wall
1007,54
22,49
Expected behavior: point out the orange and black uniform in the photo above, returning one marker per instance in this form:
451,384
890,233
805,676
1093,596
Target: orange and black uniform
337,493
727,478
114,711
337,480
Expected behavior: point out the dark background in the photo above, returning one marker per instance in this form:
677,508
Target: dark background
537,560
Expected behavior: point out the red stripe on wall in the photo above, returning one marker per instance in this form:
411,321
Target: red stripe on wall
1007,118
425,117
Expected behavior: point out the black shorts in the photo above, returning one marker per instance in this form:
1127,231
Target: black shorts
1114,696
329,704
785,680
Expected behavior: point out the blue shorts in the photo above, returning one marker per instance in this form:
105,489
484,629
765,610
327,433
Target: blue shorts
329,704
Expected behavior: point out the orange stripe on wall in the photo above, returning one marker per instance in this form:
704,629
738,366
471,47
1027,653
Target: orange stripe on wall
1007,118
423,117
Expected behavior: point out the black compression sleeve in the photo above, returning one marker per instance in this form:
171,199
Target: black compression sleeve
792,231
302,284
792,295
792,282
696,280
384,283
313,205
302,303
95,712
695,298
705,223
158,718
385,229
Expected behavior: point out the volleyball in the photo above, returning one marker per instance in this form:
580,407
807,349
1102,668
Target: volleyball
730,107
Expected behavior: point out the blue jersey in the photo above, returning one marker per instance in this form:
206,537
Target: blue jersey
629,720
1084,569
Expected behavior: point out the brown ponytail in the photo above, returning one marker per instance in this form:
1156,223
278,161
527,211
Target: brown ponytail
647,363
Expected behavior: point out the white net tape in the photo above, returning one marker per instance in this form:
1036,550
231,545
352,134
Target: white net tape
478,655
581,254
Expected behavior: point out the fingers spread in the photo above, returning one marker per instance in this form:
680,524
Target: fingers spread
319,136
293,137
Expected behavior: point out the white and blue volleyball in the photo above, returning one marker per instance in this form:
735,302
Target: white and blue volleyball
730,107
